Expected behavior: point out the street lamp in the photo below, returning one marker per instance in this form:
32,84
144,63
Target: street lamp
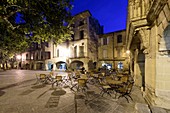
18,57
128,52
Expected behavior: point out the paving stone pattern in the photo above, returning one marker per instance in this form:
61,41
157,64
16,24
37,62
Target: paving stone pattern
30,97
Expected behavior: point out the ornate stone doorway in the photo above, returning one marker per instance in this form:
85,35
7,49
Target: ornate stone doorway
138,61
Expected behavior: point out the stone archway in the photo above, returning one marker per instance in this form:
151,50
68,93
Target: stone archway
61,65
137,49
76,64
141,69
164,44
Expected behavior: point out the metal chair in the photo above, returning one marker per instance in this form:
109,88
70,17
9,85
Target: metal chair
82,84
58,79
126,90
105,88
41,78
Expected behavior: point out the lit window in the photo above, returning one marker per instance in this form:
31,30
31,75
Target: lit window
120,65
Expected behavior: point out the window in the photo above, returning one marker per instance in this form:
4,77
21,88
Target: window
47,55
104,53
165,41
120,65
58,54
119,39
81,54
81,34
75,51
72,37
27,57
42,57
32,56
104,41
81,23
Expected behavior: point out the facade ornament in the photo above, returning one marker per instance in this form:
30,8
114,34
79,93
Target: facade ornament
146,51
144,32
131,2
164,53
144,35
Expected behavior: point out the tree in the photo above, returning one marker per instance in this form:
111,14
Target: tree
25,21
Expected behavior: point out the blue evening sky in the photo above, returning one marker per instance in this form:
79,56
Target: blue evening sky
111,14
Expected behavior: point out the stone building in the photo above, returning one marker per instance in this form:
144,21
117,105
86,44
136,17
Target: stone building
84,44
81,50
112,51
35,56
148,39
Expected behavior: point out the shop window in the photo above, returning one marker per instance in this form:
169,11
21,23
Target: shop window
120,65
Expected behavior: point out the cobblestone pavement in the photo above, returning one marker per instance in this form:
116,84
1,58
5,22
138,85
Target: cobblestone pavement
19,93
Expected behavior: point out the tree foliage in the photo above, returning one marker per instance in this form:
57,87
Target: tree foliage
40,20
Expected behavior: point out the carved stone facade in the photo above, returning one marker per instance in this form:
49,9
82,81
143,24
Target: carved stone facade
148,39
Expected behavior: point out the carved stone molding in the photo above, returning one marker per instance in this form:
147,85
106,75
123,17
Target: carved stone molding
164,53
144,37
155,9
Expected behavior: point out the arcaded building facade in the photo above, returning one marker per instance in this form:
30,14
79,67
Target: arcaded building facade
81,50
148,39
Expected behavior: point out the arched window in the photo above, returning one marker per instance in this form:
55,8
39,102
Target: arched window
165,41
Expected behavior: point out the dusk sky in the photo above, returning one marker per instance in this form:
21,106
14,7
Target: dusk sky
111,14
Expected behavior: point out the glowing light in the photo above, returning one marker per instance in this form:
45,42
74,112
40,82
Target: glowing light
18,57
127,51
64,52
